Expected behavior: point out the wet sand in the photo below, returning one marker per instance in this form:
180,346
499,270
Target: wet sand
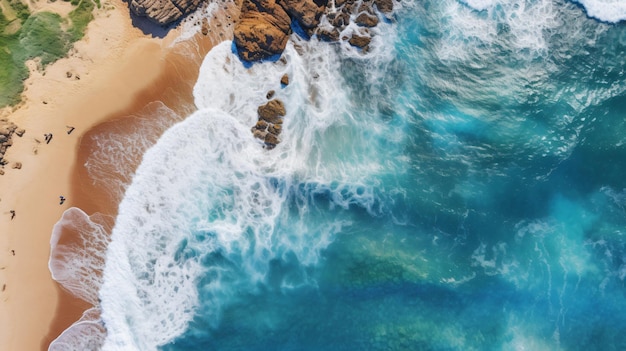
115,73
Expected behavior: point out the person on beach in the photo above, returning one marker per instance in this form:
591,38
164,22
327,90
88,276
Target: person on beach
61,199
12,214
48,137
71,129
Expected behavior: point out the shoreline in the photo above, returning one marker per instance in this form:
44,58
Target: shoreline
116,70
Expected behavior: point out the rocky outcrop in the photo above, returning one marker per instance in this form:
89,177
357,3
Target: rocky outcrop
163,11
306,12
367,15
7,130
270,123
262,31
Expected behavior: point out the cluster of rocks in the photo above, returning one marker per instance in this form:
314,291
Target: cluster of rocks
270,118
364,16
7,130
264,26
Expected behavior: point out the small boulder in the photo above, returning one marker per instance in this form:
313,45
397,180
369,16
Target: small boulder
17,165
328,35
275,129
384,6
359,41
284,80
259,134
272,111
271,139
366,20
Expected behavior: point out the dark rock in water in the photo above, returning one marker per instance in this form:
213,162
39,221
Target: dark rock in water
259,134
270,94
261,125
384,6
284,80
359,41
328,34
306,12
339,20
262,31
272,111
366,20
271,139
163,11
275,129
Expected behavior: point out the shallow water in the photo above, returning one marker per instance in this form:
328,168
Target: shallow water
458,188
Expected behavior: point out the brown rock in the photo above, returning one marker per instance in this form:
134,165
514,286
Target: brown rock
262,31
306,12
275,129
163,11
259,134
384,6
271,139
270,94
261,125
339,19
1,172
284,80
328,34
272,111
17,165
20,132
359,41
366,20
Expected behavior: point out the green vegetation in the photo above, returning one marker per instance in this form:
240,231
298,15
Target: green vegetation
25,36
80,17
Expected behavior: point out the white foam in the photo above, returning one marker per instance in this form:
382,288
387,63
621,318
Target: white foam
87,334
77,248
520,25
605,10
209,187
115,153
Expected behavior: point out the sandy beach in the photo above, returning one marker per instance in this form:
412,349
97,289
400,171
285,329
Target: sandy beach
115,71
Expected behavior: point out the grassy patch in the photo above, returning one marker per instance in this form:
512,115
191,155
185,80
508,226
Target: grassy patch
41,36
25,36
80,17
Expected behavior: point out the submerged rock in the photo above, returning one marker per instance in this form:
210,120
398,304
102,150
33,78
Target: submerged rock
360,41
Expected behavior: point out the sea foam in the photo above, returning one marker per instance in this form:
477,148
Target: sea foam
209,193
605,10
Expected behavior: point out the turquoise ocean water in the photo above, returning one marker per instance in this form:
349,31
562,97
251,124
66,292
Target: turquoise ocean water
460,187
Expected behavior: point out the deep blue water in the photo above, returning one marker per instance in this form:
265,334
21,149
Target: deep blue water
462,188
